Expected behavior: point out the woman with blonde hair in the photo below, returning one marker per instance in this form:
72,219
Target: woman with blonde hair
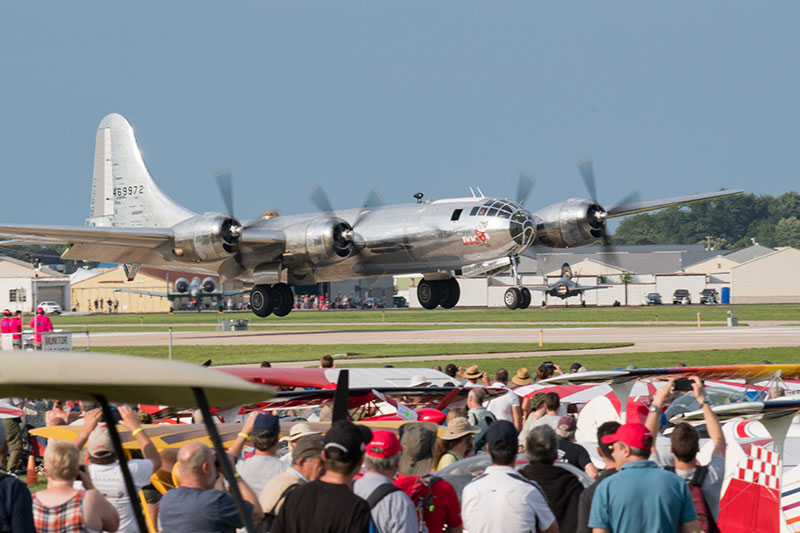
60,508
456,443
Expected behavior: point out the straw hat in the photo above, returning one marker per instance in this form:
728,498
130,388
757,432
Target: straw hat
473,372
523,377
301,429
457,428
419,380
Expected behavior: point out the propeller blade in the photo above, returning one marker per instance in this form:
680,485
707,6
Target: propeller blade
586,168
524,186
374,199
631,202
320,200
225,184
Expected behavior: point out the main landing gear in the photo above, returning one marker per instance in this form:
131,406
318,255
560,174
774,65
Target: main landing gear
517,297
277,299
444,292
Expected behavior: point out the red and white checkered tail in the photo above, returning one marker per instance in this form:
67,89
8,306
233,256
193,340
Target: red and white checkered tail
752,503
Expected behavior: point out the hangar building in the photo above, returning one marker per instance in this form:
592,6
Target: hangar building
22,286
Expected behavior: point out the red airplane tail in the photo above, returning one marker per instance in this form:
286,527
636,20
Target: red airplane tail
751,503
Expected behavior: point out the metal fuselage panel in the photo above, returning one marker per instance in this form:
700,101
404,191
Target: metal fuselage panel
399,239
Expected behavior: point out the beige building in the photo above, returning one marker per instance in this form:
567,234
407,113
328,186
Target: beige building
716,265
101,288
771,278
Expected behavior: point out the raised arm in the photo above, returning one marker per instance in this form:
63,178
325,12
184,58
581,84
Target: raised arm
130,421
660,398
247,429
90,420
712,422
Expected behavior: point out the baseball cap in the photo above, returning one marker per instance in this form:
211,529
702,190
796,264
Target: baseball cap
348,439
502,435
7,312
383,444
574,367
99,443
635,435
307,446
301,429
565,427
39,311
267,422
417,440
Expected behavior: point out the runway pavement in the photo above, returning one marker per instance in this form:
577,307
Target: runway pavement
645,339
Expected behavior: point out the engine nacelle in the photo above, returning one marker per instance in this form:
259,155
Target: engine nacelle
329,240
574,222
181,285
206,238
209,285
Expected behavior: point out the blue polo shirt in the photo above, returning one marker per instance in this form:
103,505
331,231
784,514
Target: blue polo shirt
642,497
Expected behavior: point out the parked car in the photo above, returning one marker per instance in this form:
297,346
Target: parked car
653,298
681,296
50,308
400,301
709,296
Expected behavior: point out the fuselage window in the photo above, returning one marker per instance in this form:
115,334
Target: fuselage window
492,212
504,214
482,211
474,211
456,215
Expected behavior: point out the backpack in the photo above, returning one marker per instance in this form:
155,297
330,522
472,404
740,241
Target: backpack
704,517
380,493
265,524
421,494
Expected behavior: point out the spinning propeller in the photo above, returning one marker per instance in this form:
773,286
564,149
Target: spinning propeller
344,234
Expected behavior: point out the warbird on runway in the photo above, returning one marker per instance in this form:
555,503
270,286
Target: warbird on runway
134,223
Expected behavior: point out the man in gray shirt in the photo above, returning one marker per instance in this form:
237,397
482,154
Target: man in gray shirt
263,430
392,511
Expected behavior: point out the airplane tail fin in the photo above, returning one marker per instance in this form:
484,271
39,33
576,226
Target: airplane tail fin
566,271
123,192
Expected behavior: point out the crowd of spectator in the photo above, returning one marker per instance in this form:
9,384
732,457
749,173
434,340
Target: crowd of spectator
352,479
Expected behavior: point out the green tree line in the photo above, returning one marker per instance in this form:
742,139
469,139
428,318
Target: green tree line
730,223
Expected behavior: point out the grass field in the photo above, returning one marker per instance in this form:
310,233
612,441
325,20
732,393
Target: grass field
276,353
572,314
612,361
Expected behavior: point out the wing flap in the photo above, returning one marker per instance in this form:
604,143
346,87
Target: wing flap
114,236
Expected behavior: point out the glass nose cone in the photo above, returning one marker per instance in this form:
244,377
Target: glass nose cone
522,228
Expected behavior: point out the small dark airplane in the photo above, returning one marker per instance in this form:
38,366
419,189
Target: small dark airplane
564,287
196,290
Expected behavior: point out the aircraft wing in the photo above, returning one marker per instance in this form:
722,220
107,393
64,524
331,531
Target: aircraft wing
746,410
752,373
148,293
371,378
631,208
229,293
591,288
116,236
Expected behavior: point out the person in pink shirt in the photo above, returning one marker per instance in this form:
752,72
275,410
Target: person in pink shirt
5,324
40,324
16,329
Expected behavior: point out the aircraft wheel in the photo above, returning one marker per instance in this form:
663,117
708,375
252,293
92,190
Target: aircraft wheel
429,294
512,298
451,292
262,300
525,298
284,299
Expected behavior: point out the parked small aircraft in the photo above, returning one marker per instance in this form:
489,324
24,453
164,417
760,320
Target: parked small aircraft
133,222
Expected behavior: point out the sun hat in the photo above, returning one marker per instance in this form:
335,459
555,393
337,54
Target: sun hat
419,380
417,440
301,429
473,372
536,400
523,377
458,427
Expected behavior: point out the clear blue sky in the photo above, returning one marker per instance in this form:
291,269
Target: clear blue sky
669,98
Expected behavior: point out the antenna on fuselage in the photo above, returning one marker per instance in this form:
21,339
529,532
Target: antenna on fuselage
480,192
472,192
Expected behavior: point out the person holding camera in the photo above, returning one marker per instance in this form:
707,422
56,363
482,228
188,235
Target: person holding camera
61,508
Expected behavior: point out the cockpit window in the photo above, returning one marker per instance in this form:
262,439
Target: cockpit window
492,212
474,211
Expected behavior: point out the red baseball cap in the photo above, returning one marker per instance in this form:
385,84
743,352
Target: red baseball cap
383,444
634,435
